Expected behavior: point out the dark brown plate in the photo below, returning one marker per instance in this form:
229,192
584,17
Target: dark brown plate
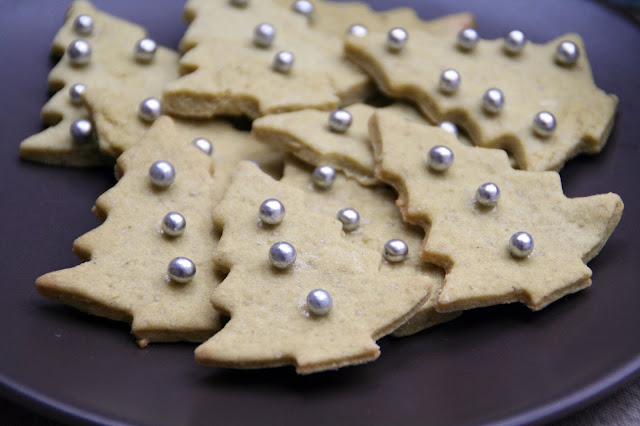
499,364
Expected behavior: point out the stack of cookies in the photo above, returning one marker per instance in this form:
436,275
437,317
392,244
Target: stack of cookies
396,173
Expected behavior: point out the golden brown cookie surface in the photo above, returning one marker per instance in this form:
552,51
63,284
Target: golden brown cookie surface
379,222
125,273
531,82
471,240
55,145
271,322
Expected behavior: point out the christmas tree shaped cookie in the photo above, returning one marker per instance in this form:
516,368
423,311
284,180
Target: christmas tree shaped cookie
377,222
537,101
502,235
234,66
296,291
102,54
150,262
56,144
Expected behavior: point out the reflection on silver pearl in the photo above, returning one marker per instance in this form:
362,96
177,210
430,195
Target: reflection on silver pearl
145,50
396,39
357,30
468,38
395,250
567,53
340,120
449,127
79,52
162,173
449,81
303,7
75,93
514,42
150,109
264,34
544,124
440,158
239,3
181,270
271,211
488,194
173,224
493,101
521,244
283,61
349,218
81,131
83,25
282,255
323,176
319,302
203,145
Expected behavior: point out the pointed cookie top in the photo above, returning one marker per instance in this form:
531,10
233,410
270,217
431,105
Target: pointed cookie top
532,102
473,226
276,317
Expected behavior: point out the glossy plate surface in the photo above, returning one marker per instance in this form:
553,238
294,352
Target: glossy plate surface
499,364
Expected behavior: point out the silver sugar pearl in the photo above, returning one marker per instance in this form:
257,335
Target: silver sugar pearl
396,39
349,218
145,50
319,302
81,131
514,42
340,120
75,93
181,270
493,101
79,52
357,30
83,25
150,109
263,34
282,255
395,250
449,81
283,61
271,211
567,53
173,224
323,176
162,173
239,3
440,158
303,7
203,145
467,39
521,244
544,124
449,127
488,194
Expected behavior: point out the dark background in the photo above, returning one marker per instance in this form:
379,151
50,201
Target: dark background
496,364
